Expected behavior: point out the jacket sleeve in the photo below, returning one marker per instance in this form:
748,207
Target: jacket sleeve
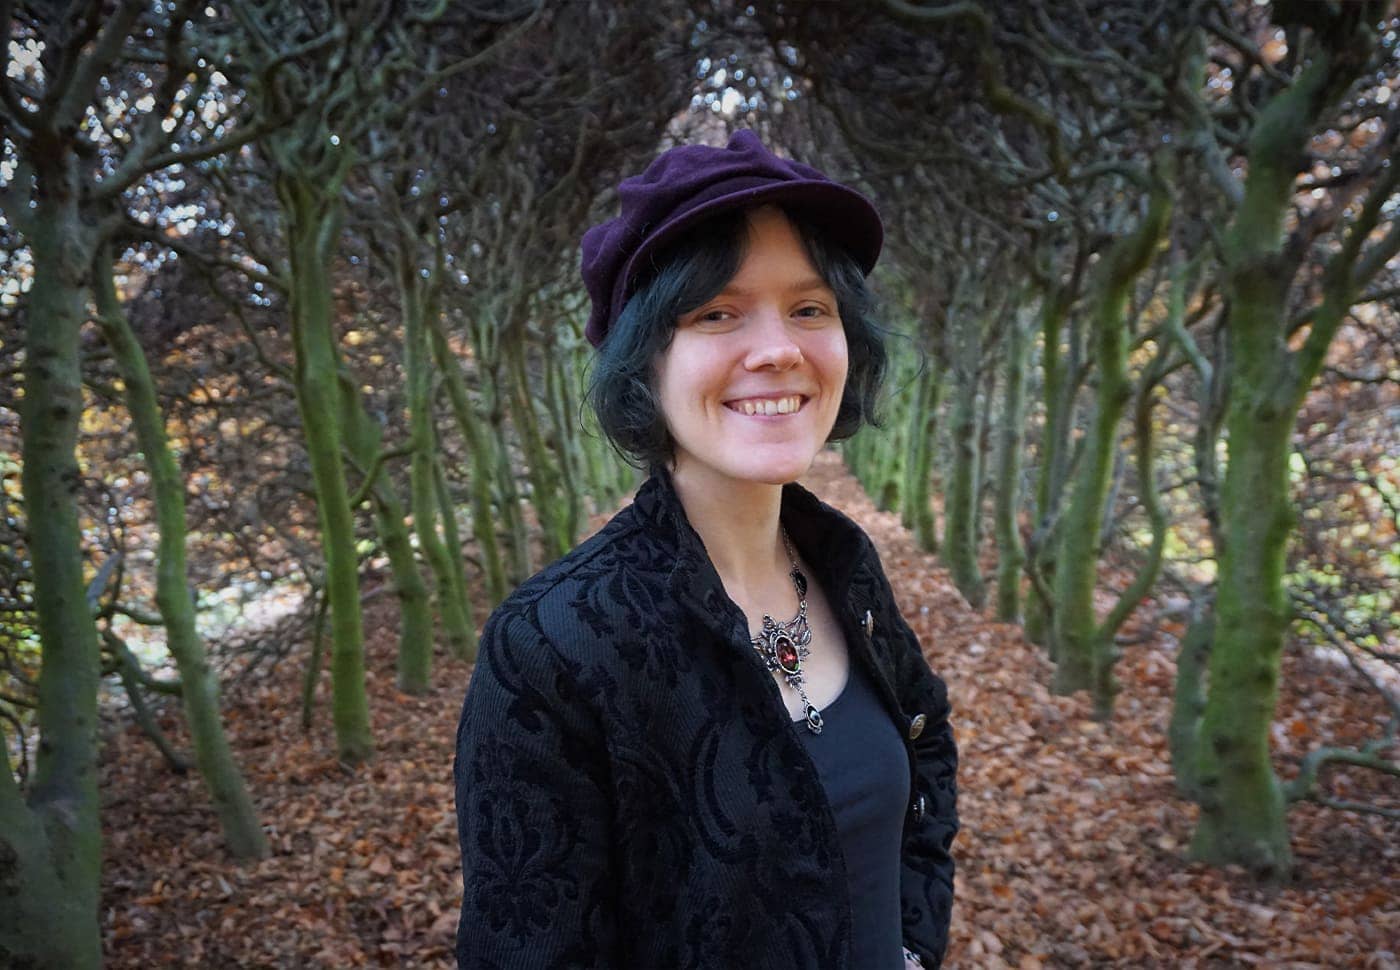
533,813
926,877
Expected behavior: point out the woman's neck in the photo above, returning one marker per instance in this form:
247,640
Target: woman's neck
739,524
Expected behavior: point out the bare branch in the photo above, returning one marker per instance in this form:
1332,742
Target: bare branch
1304,786
74,97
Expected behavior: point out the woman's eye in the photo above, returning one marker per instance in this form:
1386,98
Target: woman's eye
711,316
811,311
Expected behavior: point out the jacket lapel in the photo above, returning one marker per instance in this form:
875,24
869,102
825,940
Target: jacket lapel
834,547
694,582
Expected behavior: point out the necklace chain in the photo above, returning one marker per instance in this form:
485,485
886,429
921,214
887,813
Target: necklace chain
783,646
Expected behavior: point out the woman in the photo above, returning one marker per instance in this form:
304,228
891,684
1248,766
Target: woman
706,738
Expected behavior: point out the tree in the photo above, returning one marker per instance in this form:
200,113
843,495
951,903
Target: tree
75,153
1282,292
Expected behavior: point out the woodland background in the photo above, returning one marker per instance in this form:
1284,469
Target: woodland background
290,336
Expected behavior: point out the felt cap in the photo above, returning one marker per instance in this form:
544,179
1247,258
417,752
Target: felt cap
689,183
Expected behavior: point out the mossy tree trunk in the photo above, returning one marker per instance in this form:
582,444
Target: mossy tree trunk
1010,435
959,549
417,303
51,842
1054,452
452,538
1075,628
312,210
894,438
600,462
541,466
364,448
481,455
564,426
200,687
1189,700
519,552
923,425
986,400
486,339
363,443
1242,803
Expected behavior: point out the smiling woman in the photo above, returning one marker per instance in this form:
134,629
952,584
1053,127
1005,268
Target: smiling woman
655,767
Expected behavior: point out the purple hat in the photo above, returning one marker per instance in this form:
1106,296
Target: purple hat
686,184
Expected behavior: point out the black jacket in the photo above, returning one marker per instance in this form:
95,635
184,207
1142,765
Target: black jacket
631,793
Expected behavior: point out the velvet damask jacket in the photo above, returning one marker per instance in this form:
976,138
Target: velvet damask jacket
631,793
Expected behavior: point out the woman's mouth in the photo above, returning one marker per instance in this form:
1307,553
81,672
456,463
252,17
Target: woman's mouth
765,406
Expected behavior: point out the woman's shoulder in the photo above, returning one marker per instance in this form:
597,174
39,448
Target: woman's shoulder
596,589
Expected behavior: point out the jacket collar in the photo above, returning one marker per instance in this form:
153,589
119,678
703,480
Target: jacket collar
832,545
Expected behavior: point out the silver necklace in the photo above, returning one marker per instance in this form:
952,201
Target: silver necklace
783,646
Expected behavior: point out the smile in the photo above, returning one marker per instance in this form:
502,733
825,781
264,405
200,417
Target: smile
767,405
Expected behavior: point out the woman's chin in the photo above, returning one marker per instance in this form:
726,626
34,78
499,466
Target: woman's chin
773,469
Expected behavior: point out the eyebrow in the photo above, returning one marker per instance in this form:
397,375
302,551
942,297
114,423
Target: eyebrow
801,286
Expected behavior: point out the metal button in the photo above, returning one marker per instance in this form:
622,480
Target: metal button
920,806
869,624
916,726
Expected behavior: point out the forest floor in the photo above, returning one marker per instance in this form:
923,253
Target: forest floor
1072,850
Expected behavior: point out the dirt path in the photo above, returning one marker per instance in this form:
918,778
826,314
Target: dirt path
1070,854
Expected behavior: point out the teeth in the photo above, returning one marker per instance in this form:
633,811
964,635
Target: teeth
786,405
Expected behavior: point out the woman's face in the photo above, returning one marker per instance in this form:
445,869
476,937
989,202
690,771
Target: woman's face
752,380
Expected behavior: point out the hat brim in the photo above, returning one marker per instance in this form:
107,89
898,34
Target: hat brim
839,213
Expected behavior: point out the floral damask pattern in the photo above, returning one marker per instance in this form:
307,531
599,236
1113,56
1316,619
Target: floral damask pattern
631,795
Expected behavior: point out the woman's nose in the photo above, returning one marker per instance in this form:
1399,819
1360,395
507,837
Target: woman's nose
773,347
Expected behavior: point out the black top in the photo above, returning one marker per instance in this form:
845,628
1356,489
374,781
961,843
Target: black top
861,762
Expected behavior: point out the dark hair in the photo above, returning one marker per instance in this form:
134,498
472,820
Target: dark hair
680,279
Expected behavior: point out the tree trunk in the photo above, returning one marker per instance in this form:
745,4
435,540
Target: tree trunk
506,490
453,540
887,471
598,460
923,426
541,467
312,213
1242,806
960,507
986,400
508,499
363,441
51,849
483,463
1242,803
415,610
1010,434
1075,625
556,389
1053,460
1189,700
200,693
418,306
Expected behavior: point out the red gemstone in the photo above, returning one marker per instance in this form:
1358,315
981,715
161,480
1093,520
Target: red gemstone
786,652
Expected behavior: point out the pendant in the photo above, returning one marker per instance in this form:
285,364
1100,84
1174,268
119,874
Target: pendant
783,646
785,652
